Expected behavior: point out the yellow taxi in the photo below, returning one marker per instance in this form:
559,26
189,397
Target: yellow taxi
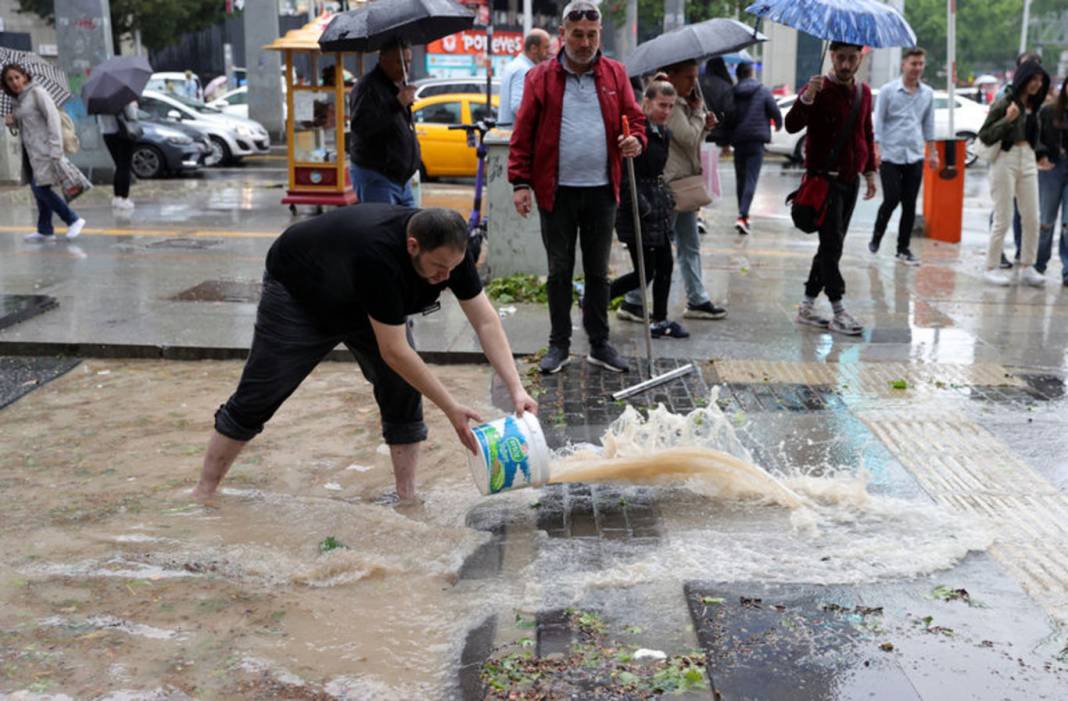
445,151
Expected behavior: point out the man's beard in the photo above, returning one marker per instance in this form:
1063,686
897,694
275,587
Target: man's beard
578,62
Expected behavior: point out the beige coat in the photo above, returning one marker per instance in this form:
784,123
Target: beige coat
42,138
688,130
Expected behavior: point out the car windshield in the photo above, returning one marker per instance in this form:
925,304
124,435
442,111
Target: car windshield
194,104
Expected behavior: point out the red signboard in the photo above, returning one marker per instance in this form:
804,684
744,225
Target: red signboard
473,41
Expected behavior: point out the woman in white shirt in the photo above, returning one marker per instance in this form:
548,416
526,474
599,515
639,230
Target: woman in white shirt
120,134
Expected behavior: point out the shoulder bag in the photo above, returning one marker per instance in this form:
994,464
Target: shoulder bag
808,203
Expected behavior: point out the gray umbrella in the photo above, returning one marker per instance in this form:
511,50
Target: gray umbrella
115,83
713,37
377,23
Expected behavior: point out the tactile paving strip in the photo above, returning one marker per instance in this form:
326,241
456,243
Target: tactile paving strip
966,468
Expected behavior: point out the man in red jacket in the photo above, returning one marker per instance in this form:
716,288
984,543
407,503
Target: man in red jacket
823,107
566,152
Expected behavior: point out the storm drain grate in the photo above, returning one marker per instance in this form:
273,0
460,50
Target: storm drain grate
185,244
236,291
778,397
598,511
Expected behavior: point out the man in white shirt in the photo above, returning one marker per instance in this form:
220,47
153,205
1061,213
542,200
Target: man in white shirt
535,50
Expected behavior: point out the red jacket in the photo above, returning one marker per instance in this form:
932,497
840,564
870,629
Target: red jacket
824,119
534,156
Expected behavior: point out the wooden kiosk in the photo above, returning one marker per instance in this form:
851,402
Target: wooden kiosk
316,122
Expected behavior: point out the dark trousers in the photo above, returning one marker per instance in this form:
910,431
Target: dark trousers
748,159
658,265
121,150
286,346
901,184
825,275
586,215
50,202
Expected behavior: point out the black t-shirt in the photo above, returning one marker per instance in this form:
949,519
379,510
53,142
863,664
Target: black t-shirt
353,262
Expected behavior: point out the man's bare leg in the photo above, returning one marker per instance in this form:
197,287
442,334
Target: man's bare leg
222,452
405,458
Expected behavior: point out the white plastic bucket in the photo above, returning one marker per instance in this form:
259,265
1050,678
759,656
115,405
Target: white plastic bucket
512,454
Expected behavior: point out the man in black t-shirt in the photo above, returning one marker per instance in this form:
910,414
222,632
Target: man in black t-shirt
353,276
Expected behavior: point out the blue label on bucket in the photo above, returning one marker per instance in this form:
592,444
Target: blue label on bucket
504,454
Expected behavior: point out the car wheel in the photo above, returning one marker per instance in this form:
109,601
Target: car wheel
220,152
970,156
799,151
147,162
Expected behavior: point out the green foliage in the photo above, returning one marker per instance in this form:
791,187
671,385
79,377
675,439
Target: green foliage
521,287
162,22
331,543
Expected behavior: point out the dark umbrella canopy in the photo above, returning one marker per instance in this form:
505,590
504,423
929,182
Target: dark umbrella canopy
713,37
378,23
115,83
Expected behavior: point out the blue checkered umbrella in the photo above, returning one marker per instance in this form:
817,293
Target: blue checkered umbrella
861,22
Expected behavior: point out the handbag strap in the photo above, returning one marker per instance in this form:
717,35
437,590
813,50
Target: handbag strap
847,131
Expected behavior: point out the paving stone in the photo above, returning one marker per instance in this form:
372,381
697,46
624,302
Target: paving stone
21,375
16,308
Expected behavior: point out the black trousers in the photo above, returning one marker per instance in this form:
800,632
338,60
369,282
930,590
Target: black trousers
658,265
748,159
825,275
121,150
901,184
286,346
585,215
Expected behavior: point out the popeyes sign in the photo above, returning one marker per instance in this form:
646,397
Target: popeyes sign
474,42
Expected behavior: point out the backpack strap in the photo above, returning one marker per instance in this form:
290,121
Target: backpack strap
847,128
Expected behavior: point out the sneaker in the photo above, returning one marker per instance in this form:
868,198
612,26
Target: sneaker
668,329
607,357
75,229
1005,263
996,277
554,361
806,314
1032,277
37,237
873,245
121,203
741,225
705,310
907,258
701,228
630,312
844,323
127,203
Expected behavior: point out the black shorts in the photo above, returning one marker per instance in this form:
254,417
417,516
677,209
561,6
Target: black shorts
286,346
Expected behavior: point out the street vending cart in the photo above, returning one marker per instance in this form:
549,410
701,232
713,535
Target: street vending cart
315,121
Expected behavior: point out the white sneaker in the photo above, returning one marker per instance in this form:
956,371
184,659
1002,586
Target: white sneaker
75,229
996,277
116,202
844,323
1032,277
127,203
36,237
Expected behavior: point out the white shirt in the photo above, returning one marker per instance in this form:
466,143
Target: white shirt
512,80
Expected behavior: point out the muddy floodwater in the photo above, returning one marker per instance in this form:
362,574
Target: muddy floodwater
112,580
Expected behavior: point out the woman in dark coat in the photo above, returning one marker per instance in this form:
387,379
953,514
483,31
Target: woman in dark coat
655,207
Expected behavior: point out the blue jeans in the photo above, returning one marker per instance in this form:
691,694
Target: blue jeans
372,186
48,203
1053,197
687,260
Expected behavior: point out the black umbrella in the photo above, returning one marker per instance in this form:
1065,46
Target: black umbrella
379,23
115,83
713,37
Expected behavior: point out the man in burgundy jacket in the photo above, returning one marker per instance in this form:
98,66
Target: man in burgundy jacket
823,106
566,154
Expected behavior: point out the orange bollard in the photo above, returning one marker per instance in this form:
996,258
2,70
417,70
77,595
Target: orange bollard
943,193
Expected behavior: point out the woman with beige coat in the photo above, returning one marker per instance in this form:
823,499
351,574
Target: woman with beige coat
37,119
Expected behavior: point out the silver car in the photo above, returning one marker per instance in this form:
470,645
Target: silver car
232,137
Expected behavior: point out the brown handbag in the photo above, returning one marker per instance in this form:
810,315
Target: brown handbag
690,193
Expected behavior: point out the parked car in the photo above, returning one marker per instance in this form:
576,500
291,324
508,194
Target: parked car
174,82
166,148
232,137
430,87
446,152
968,118
235,102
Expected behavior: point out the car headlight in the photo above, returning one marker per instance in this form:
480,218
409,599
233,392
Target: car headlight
180,140
244,131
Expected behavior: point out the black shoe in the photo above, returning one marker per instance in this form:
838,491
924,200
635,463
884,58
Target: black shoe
607,357
873,245
668,329
630,312
704,311
554,361
1005,264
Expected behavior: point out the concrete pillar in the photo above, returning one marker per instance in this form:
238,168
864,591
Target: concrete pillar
260,21
83,34
674,14
886,63
627,34
779,55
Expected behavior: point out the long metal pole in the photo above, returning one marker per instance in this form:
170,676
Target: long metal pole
641,261
951,65
1023,28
